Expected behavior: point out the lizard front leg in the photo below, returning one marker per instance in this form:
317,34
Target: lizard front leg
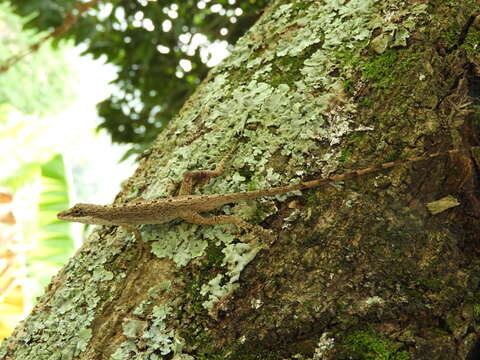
191,177
138,238
134,230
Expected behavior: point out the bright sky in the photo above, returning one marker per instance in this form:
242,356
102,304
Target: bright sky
101,172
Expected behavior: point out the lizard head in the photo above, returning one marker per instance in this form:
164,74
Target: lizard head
81,213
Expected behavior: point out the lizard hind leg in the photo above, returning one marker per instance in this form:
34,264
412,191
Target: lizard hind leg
196,218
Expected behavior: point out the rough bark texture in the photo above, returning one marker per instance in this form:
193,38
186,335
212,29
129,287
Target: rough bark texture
359,270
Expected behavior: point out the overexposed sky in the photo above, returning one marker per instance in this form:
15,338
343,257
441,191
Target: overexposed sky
91,155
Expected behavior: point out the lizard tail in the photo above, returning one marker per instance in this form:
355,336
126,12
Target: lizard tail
353,174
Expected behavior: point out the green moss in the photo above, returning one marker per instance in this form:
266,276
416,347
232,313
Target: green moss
350,57
285,71
476,311
476,114
202,274
471,43
366,102
394,71
215,256
254,350
348,86
367,345
310,197
345,155
433,284
392,156
301,5
356,136
379,70
452,35
357,140
238,76
208,352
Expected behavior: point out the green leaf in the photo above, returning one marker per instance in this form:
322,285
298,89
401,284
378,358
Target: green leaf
55,243
27,173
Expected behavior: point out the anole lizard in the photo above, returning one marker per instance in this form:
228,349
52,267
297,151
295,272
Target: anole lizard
188,207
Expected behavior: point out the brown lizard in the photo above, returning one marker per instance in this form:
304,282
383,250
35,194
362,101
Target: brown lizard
188,207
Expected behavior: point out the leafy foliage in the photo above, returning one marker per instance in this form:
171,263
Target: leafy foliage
34,242
54,244
52,240
30,86
22,176
160,49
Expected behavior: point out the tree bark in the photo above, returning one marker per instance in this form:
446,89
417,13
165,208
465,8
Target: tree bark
372,268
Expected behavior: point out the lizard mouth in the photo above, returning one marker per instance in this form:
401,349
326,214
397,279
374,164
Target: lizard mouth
70,217
73,213
62,215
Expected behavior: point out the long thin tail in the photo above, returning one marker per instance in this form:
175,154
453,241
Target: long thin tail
350,175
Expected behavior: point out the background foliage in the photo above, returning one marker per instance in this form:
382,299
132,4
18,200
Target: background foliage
31,87
160,48
33,181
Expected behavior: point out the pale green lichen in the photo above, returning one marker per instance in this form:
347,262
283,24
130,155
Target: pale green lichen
100,274
64,331
237,256
347,29
180,246
133,328
152,294
215,290
183,357
324,346
156,337
374,300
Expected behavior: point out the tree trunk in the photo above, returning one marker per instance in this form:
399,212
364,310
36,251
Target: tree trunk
371,268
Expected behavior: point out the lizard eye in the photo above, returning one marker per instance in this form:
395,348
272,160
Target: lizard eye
77,211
